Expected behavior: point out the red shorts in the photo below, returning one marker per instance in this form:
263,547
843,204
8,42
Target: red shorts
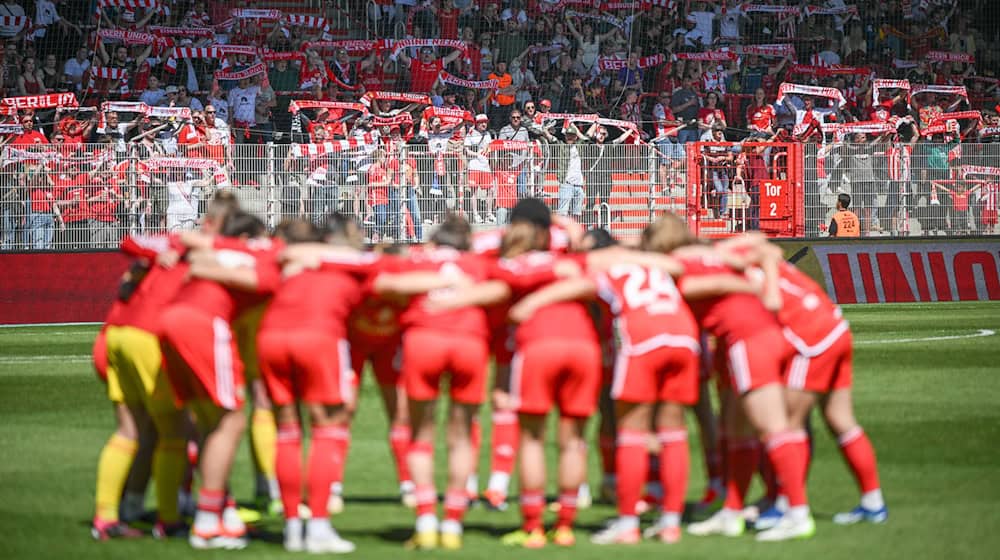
100,354
384,355
825,372
201,357
663,374
757,361
480,179
306,366
564,373
429,353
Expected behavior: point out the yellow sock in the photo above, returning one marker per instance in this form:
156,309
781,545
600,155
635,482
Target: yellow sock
264,439
169,465
112,471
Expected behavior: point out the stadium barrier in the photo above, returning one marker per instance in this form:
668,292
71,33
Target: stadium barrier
901,270
83,197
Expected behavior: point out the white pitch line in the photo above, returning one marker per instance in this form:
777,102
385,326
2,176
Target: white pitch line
30,325
978,334
66,359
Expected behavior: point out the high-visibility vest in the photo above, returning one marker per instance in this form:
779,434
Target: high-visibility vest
847,224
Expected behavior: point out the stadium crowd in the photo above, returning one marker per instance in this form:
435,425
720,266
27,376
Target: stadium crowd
213,322
883,92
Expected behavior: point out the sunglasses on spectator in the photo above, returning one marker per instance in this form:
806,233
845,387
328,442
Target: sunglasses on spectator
515,117
209,112
58,139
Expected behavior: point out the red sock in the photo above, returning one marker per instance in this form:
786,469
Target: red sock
567,507
741,462
675,464
325,461
455,504
426,495
789,453
608,460
532,506
506,436
289,467
211,500
773,488
399,443
860,456
631,464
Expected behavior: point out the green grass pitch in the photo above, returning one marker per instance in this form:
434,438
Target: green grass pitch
930,407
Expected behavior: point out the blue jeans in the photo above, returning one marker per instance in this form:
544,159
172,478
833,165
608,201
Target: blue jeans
41,227
570,200
522,182
8,228
720,184
381,217
669,150
688,135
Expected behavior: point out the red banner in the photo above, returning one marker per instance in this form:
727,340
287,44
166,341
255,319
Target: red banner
58,287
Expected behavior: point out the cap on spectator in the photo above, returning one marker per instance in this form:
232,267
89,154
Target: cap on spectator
545,103
482,118
171,89
569,132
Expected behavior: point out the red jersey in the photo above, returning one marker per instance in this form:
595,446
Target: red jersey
372,79
423,75
157,289
320,300
565,320
506,189
730,317
446,261
104,210
217,300
72,189
812,321
448,23
378,193
648,308
760,118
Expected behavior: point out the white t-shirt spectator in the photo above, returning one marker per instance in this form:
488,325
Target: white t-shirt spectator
828,58
574,170
243,102
729,22
10,9
76,70
690,37
704,25
478,141
45,15
182,204
221,109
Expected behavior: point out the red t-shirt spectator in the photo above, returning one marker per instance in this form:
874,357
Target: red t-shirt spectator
378,194
760,118
423,75
104,210
708,116
71,188
448,22
29,138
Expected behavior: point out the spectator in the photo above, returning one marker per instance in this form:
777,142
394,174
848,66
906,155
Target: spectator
481,187
184,99
76,68
30,82
502,99
42,213
425,70
30,136
685,106
153,94
568,161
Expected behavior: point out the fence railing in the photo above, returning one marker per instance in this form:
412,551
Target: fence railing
89,196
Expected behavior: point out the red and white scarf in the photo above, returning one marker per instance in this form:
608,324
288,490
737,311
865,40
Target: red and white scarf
824,11
127,4
398,120
215,51
298,104
271,56
880,84
771,50
110,74
419,98
396,46
709,56
354,46
259,68
313,150
47,101
127,37
614,63
770,9
193,163
18,22
934,88
251,13
605,18
979,170
943,56
10,128
797,89
449,117
824,70
164,31
312,22
447,78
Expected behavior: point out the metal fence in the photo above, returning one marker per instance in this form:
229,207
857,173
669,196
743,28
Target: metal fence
85,197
